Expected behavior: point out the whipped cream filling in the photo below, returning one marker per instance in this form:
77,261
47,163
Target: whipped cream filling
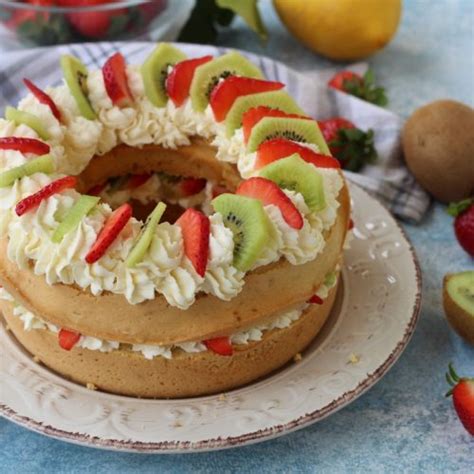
165,269
150,351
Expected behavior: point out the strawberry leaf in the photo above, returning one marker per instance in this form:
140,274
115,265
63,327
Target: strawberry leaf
354,148
366,89
456,208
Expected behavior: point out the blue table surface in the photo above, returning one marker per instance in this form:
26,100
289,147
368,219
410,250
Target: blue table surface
404,423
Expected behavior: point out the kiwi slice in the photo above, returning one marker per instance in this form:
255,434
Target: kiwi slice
458,302
208,75
249,223
155,71
274,99
75,75
144,238
295,174
42,164
81,208
21,117
298,130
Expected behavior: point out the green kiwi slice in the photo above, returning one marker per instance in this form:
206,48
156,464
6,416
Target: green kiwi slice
458,303
155,71
75,75
274,99
247,220
81,208
208,75
144,238
21,117
42,164
295,174
298,130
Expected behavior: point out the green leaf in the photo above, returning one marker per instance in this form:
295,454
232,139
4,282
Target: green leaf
118,24
366,89
456,208
248,10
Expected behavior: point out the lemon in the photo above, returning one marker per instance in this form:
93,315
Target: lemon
341,29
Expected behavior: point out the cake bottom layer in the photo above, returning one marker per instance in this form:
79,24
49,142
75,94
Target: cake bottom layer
186,374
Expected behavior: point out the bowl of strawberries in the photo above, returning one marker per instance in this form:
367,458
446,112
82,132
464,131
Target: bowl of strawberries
50,22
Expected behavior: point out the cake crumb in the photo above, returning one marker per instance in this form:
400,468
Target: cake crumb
222,397
353,359
90,386
297,357
36,359
177,424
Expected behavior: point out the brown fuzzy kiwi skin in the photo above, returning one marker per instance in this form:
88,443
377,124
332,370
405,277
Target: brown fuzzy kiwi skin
459,319
438,143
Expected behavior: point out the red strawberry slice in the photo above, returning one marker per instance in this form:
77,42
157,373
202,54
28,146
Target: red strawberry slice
252,116
179,79
351,224
220,345
315,299
24,145
68,339
112,228
137,180
270,193
192,186
97,189
278,148
195,227
225,93
33,201
116,82
43,98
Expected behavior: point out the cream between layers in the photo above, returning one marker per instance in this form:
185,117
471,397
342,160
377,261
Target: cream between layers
253,334
165,269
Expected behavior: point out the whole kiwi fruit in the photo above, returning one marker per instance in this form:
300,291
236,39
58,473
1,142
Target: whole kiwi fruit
438,143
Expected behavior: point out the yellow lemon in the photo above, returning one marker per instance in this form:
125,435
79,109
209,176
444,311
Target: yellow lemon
341,29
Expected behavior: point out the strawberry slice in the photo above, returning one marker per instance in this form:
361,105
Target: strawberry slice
252,116
351,224
195,227
115,81
43,98
112,228
220,345
192,186
277,148
33,201
24,145
315,299
137,180
96,190
224,94
179,79
68,339
270,193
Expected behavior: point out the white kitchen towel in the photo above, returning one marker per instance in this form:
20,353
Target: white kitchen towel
388,178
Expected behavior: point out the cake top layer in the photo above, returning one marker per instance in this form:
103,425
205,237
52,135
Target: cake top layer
285,204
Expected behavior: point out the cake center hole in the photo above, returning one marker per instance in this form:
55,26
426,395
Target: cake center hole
144,191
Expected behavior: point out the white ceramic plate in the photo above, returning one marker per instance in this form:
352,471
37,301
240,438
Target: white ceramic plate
372,322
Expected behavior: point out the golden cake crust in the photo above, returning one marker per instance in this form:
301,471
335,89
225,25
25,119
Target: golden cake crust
185,375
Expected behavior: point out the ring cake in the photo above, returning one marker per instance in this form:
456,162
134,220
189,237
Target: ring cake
168,230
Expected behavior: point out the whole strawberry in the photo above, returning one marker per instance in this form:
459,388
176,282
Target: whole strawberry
463,211
463,398
350,145
362,87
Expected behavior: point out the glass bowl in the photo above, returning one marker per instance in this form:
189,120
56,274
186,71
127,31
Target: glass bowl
51,22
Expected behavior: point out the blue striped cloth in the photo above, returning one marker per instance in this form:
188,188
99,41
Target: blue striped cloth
388,179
